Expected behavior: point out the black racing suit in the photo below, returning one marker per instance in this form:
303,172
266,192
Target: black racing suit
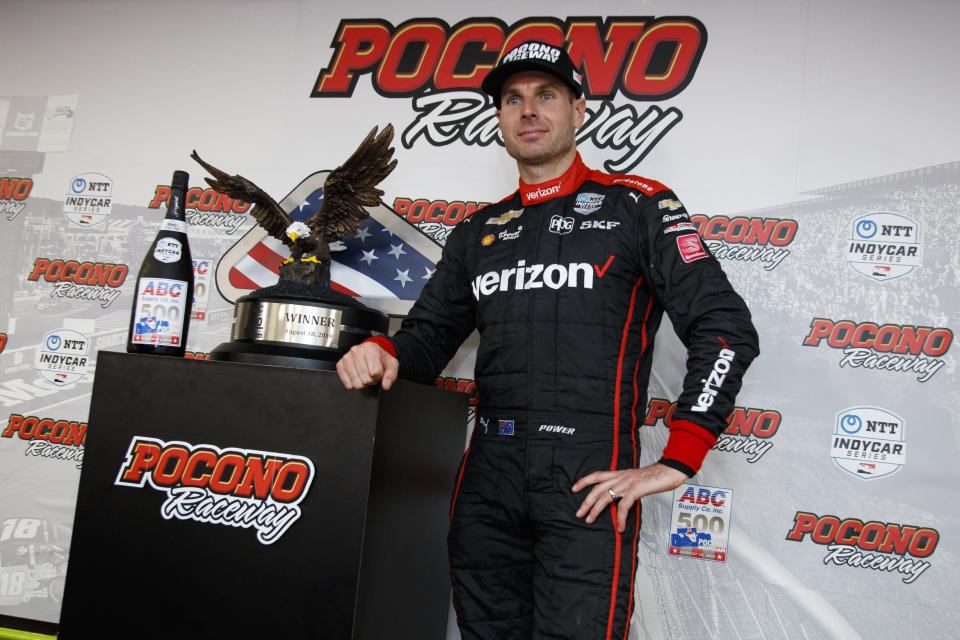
566,283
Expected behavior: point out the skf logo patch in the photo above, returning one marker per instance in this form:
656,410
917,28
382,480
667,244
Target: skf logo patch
234,487
505,218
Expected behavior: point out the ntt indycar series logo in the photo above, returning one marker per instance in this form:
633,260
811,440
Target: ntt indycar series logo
874,545
909,349
244,488
440,67
868,442
884,246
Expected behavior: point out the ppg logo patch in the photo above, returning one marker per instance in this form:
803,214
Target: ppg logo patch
506,427
561,225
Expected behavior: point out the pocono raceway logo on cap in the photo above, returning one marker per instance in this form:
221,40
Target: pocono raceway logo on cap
233,487
851,542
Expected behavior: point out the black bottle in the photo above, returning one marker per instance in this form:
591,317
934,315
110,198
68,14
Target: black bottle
163,297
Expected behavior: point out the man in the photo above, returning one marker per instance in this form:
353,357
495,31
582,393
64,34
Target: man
566,281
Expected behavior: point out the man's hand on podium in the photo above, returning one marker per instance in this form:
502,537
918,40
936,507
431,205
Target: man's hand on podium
367,364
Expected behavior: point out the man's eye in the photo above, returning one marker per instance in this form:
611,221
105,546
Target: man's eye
547,95
513,100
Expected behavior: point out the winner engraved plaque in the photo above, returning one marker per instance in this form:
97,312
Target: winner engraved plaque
302,321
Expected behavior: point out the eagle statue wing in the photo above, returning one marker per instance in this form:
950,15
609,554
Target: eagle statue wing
353,185
266,211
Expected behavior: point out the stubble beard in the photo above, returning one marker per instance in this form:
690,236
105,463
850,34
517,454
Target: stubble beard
560,145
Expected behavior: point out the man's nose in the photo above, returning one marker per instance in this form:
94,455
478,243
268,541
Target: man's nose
529,109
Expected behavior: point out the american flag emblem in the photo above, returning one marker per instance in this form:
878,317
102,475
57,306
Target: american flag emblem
385,263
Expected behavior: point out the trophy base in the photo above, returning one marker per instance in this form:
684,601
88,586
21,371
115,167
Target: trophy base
298,326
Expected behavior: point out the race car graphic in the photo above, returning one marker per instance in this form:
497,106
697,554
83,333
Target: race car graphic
33,560
690,537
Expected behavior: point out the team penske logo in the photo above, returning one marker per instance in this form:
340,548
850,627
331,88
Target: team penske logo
906,349
244,488
871,544
13,195
440,67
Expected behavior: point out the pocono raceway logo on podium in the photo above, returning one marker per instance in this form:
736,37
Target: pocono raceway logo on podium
233,487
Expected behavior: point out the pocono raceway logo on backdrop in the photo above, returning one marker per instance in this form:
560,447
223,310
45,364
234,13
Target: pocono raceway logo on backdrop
206,209
888,347
749,432
89,199
868,442
435,218
53,438
760,240
94,281
440,68
884,246
13,193
851,542
233,487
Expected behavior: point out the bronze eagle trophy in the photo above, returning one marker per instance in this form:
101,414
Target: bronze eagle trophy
346,191
302,321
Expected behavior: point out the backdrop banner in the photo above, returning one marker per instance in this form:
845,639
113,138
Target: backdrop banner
814,143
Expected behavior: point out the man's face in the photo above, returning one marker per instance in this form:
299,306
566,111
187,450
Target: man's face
538,117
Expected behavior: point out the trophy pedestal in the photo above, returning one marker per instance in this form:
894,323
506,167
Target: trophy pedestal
296,325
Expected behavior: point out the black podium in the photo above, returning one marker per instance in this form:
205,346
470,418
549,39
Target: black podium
226,500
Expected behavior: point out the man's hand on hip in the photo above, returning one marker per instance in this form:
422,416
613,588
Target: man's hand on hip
625,487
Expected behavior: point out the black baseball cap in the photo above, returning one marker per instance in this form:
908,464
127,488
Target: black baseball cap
533,56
